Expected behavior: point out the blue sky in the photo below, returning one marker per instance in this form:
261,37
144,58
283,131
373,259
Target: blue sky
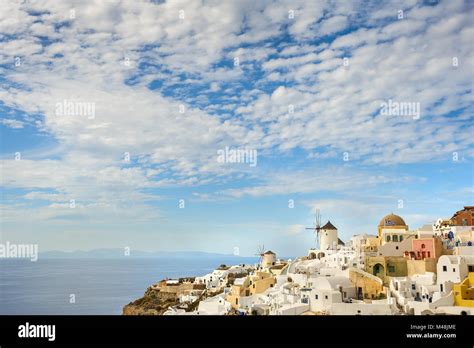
172,83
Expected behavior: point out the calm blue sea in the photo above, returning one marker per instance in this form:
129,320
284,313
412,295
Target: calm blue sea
101,286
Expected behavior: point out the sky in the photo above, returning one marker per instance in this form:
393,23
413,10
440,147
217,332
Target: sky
114,116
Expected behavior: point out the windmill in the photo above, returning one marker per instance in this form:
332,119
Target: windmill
261,253
317,227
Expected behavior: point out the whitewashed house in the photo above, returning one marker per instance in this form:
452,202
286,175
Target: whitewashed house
375,307
452,269
344,258
419,287
216,305
325,291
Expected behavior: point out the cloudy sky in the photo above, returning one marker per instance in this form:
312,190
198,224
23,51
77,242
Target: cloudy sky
113,115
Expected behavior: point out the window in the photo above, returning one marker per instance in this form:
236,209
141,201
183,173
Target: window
326,297
316,297
391,269
429,254
396,247
236,301
413,286
401,238
441,287
454,269
422,246
388,238
445,269
395,238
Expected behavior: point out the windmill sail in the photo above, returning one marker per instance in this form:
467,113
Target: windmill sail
317,227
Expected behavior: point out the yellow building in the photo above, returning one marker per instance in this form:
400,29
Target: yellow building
421,266
385,267
464,292
367,285
248,286
371,246
392,228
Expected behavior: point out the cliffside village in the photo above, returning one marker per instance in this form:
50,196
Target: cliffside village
427,271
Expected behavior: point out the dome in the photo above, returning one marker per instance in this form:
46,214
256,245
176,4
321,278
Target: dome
392,220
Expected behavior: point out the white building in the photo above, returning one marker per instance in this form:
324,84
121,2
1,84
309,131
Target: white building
326,291
419,287
453,269
218,278
216,305
344,258
358,244
287,300
375,307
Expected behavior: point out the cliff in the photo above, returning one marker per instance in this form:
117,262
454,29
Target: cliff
159,297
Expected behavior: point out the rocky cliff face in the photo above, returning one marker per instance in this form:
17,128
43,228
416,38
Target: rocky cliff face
159,297
153,302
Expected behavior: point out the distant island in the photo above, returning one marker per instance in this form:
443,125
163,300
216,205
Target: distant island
115,253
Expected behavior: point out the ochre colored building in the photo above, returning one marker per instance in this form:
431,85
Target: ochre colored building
385,267
367,285
251,285
421,266
464,292
371,246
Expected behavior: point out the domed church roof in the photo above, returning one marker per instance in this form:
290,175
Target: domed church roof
392,220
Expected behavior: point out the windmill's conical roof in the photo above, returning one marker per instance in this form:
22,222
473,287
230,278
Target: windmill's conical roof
329,226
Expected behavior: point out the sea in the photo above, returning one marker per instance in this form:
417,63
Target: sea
90,286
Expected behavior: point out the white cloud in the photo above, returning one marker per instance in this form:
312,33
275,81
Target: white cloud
85,59
12,123
332,25
294,229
